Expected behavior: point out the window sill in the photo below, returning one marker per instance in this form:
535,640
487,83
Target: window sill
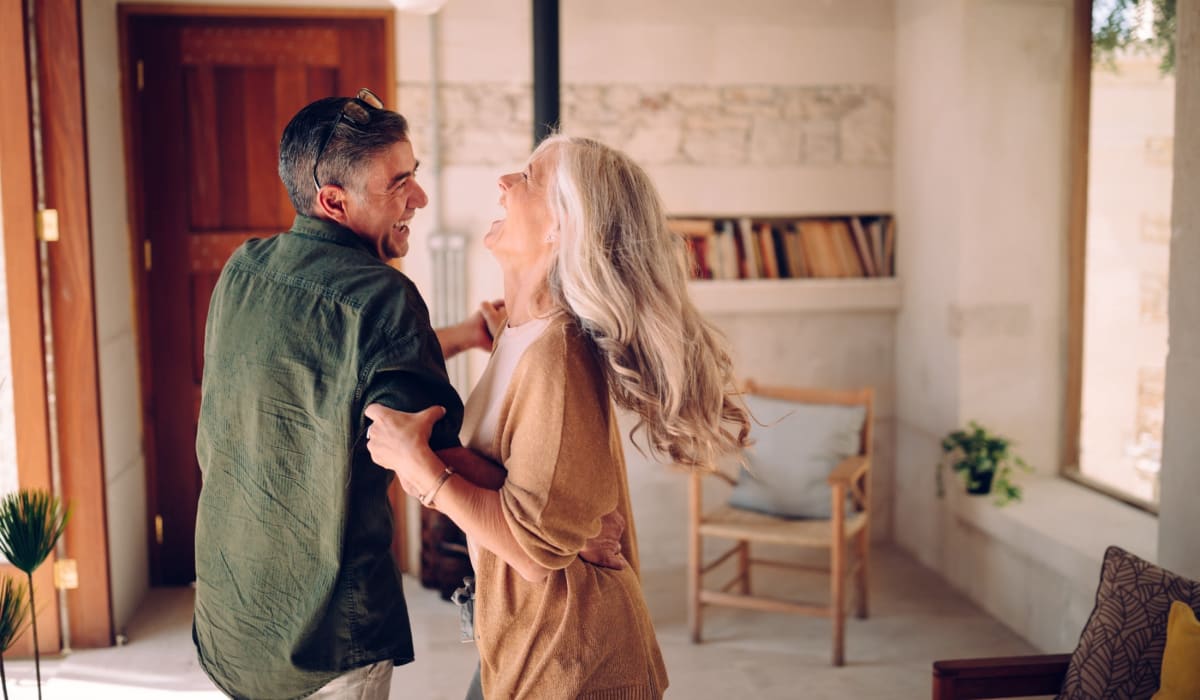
1062,525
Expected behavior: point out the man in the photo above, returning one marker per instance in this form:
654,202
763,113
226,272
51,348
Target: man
296,588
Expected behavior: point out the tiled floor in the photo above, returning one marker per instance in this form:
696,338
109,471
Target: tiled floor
915,619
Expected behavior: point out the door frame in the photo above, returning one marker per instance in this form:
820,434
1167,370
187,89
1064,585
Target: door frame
71,302
126,14
23,282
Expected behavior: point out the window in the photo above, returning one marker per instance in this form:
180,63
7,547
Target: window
1120,248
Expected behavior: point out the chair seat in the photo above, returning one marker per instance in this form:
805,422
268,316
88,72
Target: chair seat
737,524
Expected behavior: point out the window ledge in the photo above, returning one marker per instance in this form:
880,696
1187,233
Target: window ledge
1062,525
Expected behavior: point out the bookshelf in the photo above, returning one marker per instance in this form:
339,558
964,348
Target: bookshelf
787,264
746,248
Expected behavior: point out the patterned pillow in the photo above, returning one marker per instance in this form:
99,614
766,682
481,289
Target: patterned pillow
1120,651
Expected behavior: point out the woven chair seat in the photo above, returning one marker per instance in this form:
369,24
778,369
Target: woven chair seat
737,524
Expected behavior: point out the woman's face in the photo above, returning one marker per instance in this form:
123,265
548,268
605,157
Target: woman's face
526,233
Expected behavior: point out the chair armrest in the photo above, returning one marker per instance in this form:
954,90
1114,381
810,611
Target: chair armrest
850,469
999,677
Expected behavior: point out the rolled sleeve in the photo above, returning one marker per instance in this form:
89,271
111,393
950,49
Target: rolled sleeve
411,376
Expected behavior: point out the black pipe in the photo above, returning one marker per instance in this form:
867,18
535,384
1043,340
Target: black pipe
545,69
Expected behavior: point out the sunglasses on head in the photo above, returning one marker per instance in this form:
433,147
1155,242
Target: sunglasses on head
354,113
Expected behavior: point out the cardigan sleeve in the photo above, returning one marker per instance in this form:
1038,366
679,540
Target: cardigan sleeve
562,474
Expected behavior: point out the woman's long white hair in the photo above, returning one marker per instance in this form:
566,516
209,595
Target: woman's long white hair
623,274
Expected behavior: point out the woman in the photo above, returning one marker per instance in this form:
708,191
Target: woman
596,295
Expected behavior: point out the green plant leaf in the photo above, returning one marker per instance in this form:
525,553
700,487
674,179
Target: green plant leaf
31,521
976,452
1115,29
14,609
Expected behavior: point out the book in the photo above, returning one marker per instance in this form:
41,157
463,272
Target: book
697,234
875,230
691,227
843,243
716,252
727,251
796,260
781,257
889,248
818,251
863,248
766,249
753,265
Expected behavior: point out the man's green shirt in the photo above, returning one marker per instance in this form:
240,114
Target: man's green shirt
295,581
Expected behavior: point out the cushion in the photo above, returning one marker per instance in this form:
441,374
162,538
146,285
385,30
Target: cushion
1121,648
795,449
1181,658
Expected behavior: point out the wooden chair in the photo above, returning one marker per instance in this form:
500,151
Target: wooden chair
843,533
999,677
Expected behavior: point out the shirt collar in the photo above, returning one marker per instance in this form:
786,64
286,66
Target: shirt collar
329,231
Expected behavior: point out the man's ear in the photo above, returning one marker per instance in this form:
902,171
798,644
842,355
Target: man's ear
331,204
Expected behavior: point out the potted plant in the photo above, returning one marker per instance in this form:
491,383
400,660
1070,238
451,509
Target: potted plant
985,460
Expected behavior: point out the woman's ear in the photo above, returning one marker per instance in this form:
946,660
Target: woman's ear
331,204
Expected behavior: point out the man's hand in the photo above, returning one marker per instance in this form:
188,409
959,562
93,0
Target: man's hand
400,441
477,331
605,548
494,316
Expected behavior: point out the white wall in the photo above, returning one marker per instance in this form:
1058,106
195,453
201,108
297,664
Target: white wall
1178,547
981,177
981,184
120,392
804,53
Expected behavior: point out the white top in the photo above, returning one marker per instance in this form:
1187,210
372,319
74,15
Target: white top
481,416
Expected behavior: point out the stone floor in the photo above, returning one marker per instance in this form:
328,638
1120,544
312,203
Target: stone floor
915,619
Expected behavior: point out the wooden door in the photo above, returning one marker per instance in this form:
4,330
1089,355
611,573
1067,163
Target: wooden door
209,99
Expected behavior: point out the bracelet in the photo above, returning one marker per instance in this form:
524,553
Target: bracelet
426,499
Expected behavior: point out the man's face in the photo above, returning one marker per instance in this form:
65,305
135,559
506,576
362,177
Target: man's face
381,206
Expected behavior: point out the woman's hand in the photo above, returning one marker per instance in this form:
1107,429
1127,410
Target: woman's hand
605,548
400,441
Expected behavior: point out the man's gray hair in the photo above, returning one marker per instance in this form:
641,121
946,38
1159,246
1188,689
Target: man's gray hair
346,156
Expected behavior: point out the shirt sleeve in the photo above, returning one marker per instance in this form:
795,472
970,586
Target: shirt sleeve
562,475
411,376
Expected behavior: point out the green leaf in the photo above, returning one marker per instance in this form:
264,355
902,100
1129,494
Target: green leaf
14,608
1115,29
975,452
31,521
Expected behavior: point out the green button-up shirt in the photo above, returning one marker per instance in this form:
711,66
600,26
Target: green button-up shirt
295,581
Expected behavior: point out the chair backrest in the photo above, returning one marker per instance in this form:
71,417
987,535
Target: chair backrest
851,397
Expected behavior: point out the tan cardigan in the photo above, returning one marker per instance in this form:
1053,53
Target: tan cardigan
585,631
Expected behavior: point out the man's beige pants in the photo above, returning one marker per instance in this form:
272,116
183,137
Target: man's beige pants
372,682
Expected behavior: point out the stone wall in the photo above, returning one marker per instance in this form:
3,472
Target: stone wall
678,125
